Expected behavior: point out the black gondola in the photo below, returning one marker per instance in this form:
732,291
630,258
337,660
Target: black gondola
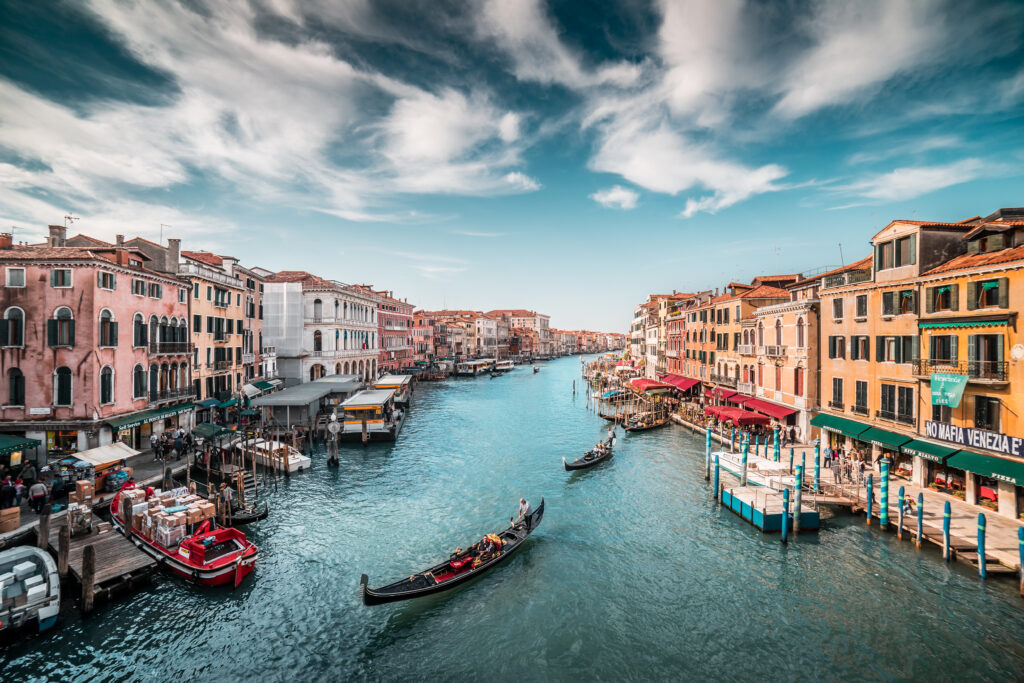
446,575
496,374
247,516
645,427
589,459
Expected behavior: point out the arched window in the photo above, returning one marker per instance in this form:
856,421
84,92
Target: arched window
164,324
154,382
106,385
798,381
14,322
760,333
318,341
16,395
778,333
154,330
62,386
800,333
316,372
139,382
108,328
164,369
61,330
139,336
318,309
172,379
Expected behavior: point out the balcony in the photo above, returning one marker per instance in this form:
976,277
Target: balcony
672,354
859,410
724,380
848,278
990,371
745,388
165,347
836,405
219,365
745,349
170,395
775,351
269,351
248,358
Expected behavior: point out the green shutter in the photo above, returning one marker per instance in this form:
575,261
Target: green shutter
972,347
973,247
831,347
853,348
113,280
5,332
899,350
929,297
954,297
53,278
71,333
972,296
913,249
113,334
879,264
879,348
51,332
996,242
915,349
931,348
99,279
999,350
1004,291
954,346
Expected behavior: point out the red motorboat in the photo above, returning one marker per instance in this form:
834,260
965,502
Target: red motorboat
209,557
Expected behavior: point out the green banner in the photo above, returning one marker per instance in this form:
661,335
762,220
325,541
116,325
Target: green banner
947,390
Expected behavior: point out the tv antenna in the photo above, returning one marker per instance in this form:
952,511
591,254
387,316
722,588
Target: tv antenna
842,261
162,226
70,218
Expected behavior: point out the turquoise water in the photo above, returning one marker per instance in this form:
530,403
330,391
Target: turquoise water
634,574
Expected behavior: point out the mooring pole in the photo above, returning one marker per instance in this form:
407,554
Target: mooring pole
1020,556
883,503
798,497
920,517
743,468
785,515
945,532
707,454
981,545
899,523
716,474
871,495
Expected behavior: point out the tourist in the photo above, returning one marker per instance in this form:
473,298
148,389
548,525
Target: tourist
28,474
7,493
57,487
225,496
19,491
37,497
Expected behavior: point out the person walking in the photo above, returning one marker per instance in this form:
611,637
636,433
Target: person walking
28,474
37,497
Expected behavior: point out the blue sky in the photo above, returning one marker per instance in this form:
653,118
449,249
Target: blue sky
564,156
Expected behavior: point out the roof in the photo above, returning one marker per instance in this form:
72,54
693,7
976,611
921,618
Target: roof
369,397
856,265
972,261
392,380
207,257
104,455
20,252
307,279
765,292
299,395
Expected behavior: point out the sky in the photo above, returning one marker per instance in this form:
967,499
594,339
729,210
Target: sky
568,157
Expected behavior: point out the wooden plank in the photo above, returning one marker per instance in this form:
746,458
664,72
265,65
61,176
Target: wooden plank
116,556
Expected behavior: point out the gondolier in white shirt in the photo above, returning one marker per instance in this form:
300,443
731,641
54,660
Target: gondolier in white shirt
524,509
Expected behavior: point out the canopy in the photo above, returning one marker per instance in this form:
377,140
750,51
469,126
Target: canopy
721,393
110,454
740,417
263,385
147,416
298,395
884,438
988,466
679,382
12,444
228,403
928,450
250,390
845,427
206,430
644,384
740,399
776,411
207,403
249,412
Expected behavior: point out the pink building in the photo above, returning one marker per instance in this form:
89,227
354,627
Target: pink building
95,344
394,330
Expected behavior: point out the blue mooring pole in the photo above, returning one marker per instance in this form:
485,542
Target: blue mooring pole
791,460
871,494
945,532
775,444
707,453
743,467
797,505
920,517
899,503
817,468
716,475
981,545
732,439
883,499
785,524
1020,557
757,444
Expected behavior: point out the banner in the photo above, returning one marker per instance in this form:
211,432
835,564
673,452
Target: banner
947,390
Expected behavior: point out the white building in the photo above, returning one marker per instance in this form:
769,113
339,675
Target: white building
530,320
486,337
320,327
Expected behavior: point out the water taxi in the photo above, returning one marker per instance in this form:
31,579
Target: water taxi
371,415
472,368
31,588
276,454
400,384
504,366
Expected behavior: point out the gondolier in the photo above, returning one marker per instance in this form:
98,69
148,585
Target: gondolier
524,509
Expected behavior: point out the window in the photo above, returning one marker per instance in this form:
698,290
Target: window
197,323
61,330
106,280
106,385
862,306
798,381
837,347
156,291
905,251
888,406
139,287
837,309
108,329
860,397
905,405
12,327
988,294
943,414
139,329
943,348
139,382
195,290
907,301
860,348
60,277
837,392
238,299
62,386
986,413
16,387
888,303
942,298
15,277
801,339
209,293
182,296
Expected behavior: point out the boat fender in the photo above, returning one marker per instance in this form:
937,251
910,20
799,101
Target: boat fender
195,574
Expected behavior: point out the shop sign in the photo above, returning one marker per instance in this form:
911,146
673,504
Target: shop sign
39,411
947,389
975,438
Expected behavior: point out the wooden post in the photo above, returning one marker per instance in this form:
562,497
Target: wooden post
899,522
785,515
88,577
798,486
982,571
43,530
365,435
945,532
64,547
920,517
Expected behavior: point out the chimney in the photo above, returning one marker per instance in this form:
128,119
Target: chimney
58,236
172,255
120,241
6,240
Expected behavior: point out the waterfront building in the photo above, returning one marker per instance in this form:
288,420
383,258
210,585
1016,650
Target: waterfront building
485,336
394,325
530,320
423,343
320,327
76,378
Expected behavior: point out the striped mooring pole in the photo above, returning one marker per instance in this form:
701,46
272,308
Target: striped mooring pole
785,526
871,494
883,496
817,468
716,475
775,444
797,508
791,449
920,517
899,503
743,467
945,532
1020,557
757,444
981,545
732,439
707,453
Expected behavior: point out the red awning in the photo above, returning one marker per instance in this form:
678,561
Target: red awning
679,382
722,393
776,411
644,384
741,417
740,399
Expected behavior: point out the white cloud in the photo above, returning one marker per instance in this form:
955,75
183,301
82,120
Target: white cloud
522,182
475,233
911,147
617,197
910,182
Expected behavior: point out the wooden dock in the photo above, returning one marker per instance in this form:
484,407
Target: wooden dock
763,508
119,564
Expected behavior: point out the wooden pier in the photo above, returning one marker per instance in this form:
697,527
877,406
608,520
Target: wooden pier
763,508
119,565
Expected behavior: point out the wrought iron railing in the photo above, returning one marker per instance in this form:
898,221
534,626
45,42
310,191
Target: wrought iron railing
166,347
849,278
724,379
774,351
983,370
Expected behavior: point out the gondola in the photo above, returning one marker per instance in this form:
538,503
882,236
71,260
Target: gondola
536,369
496,374
644,427
617,417
589,459
452,572
250,515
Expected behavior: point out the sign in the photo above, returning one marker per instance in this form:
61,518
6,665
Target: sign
947,389
975,438
39,411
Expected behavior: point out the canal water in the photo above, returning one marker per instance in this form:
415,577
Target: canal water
634,574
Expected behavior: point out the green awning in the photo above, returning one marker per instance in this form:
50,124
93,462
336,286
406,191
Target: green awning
838,424
206,430
884,438
991,284
12,444
928,450
263,384
249,412
147,416
988,466
964,323
228,403
943,289
207,403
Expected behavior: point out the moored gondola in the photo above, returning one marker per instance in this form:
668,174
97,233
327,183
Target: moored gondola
249,515
643,427
456,570
589,459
